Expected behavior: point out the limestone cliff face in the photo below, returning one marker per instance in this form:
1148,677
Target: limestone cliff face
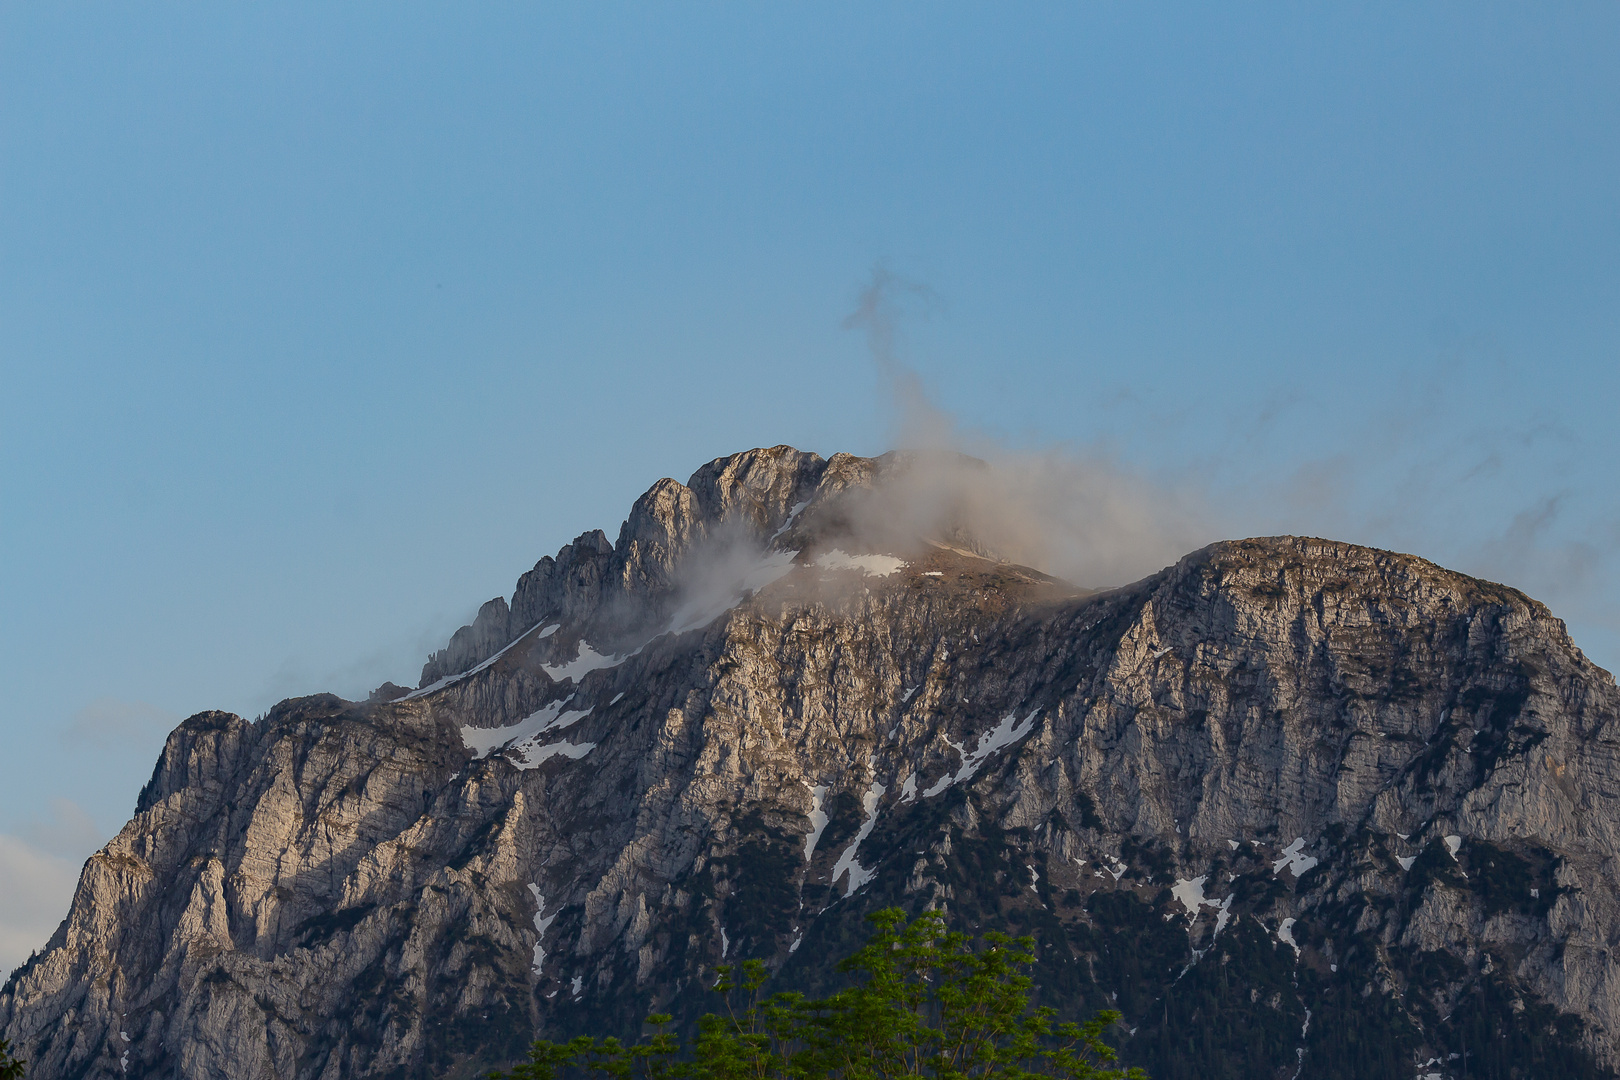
1295,807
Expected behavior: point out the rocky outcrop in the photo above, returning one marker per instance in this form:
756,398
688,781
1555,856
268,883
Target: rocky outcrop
472,644
1297,808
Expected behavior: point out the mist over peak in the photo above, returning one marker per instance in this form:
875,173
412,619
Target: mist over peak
688,552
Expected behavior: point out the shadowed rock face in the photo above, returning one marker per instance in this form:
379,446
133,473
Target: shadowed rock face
1293,806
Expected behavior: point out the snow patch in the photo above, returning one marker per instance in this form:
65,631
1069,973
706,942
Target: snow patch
540,925
579,982
847,864
1406,861
531,756
617,698
1285,934
933,573
725,943
1190,891
470,672
905,697
908,790
548,631
1453,845
1294,857
586,661
818,819
1003,735
1233,844
1223,914
482,741
794,511
871,565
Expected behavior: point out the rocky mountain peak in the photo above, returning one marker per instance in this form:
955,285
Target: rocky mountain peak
1295,807
744,501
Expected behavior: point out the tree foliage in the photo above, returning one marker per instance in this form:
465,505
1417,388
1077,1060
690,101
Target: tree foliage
10,1068
924,1001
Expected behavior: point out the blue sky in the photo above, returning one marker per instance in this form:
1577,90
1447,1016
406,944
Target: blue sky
320,324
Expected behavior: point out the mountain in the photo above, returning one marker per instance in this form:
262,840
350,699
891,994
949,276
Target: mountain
1298,808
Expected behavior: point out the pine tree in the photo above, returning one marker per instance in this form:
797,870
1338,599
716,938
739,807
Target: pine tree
10,1068
924,1002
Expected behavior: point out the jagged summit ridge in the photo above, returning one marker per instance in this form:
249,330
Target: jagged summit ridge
744,499
1284,774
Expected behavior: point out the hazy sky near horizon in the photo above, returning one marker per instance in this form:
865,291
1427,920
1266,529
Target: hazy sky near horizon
319,324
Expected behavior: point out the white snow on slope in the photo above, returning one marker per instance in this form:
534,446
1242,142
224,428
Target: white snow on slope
1191,894
530,756
448,679
1406,861
847,864
908,789
871,565
540,926
1285,934
793,513
1003,735
818,819
709,604
481,741
1294,857
587,660
1223,913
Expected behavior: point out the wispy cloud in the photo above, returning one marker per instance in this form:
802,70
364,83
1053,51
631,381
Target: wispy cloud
111,722
1441,463
1076,511
39,869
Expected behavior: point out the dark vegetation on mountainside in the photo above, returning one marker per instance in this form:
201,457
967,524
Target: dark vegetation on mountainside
923,1002
10,1068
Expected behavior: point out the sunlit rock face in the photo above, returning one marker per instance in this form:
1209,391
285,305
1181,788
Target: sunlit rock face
1294,807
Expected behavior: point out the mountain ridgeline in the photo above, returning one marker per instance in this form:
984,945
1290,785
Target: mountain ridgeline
1296,808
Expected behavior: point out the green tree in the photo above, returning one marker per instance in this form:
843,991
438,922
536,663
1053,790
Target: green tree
924,1001
10,1068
